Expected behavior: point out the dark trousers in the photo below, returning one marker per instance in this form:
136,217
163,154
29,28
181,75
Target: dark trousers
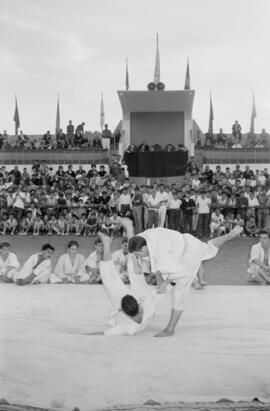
187,223
152,219
173,217
203,225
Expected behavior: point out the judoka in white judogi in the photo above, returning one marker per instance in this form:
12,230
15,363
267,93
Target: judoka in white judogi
66,269
9,264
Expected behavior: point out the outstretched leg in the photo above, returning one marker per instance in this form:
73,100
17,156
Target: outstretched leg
181,289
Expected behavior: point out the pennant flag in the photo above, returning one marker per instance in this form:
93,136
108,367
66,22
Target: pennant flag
187,79
102,113
211,117
16,117
57,124
253,115
127,76
157,66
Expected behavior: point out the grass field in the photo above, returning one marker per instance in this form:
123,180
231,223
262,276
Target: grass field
228,268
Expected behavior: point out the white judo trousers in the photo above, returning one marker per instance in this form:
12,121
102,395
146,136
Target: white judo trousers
120,323
177,256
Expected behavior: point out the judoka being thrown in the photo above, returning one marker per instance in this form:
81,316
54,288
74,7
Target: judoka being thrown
175,258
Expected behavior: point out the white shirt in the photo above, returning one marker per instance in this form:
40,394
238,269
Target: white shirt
18,200
203,205
125,199
162,196
174,204
253,202
152,201
217,218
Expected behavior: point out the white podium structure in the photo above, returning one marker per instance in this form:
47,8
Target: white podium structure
157,117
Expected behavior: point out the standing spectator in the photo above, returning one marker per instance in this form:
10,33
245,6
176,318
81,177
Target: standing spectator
163,198
187,206
125,202
203,204
153,207
137,208
248,173
236,131
174,204
106,133
70,133
262,210
80,128
19,203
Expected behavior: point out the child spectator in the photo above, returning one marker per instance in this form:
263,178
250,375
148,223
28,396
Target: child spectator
10,225
92,223
251,227
39,225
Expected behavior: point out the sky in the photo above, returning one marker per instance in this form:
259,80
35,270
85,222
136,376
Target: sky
77,48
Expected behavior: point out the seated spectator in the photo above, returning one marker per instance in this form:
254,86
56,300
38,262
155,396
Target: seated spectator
9,264
69,266
120,259
97,142
209,140
221,138
47,139
22,139
39,225
169,147
37,269
80,140
181,147
264,138
259,262
251,227
217,223
92,223
10,225
238,221
92,264
61,140
236,144
143,147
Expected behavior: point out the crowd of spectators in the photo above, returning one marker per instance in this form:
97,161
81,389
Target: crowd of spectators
74,138
155,147
207,203
234,140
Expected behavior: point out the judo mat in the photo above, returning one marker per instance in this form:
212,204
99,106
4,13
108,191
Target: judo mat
50,359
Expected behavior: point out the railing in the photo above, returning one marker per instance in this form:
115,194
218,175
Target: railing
232,155
74,156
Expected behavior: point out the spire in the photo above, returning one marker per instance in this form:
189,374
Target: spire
57,124
102,113
127,76
157,66
16,117
187,79
211,117
253,115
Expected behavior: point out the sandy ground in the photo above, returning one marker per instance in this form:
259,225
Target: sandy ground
221,349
